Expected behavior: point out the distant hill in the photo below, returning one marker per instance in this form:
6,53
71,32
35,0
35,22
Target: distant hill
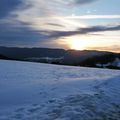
3,57
105,61
21,53
88,58
76,56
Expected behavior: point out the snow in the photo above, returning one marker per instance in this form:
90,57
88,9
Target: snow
115,63
35,91
45,59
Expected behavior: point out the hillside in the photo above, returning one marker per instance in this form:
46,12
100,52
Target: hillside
3,57
35,91
22,53
85,58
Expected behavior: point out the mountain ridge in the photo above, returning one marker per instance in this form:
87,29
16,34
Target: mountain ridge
87,58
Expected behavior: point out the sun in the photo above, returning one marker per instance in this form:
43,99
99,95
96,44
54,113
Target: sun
78,44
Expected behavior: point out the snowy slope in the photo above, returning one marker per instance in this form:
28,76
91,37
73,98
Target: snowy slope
34,91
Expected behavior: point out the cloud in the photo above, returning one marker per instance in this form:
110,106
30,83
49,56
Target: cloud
83,31
19,34
39,14
99,29
81,2
29,22
113,48
55,24
94,17
39,22
7,6
41,8
37,8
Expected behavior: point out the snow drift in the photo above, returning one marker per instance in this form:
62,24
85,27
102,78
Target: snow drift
34,91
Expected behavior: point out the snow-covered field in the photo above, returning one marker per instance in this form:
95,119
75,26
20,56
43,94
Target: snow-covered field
34,91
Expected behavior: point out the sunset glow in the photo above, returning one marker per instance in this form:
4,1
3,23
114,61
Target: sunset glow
78,43
71,24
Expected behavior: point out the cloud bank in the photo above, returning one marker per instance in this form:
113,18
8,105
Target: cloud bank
83,1
39,22
7,6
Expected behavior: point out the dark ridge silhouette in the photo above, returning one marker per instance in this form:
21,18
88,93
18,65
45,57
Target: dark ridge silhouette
87,58
4,57
21,53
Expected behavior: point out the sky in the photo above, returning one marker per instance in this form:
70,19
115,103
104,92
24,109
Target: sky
68,24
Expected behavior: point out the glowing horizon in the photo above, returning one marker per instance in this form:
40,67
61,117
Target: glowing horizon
74,24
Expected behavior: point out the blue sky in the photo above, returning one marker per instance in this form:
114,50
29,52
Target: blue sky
71,24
